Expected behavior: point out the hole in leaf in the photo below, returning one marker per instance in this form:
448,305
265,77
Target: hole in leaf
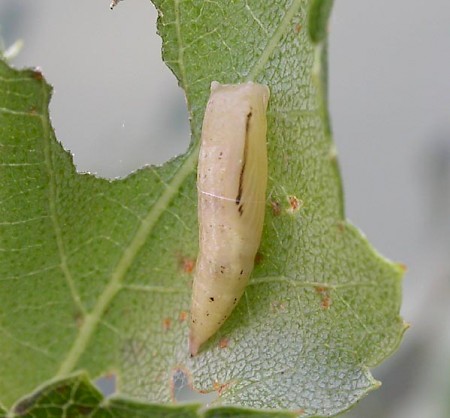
107,384
116,106
182,390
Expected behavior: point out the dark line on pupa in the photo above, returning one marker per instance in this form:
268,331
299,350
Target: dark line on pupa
244,158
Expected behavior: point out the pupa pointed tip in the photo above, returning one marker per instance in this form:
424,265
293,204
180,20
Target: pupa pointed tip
193,347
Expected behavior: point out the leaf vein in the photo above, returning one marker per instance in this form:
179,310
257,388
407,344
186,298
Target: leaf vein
52,197
274,40
130,252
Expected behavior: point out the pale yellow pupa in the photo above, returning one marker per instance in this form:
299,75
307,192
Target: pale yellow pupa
231,185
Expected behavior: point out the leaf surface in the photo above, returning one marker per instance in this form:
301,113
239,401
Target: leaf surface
96,275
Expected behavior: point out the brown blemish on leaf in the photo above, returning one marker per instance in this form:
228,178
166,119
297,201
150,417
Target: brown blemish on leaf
223,343
299,412
341,226
187,264
297,28
294,204
220,387
276,207
326,302
183,316
167,323
324,292
37,75
79,319
259,258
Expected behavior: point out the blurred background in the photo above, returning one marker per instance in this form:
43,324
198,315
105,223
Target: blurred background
115,103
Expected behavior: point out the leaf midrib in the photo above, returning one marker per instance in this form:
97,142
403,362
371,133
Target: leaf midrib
129,254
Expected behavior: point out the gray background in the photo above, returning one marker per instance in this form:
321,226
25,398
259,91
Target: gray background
116,106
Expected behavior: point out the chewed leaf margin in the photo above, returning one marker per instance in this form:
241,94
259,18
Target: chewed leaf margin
75,396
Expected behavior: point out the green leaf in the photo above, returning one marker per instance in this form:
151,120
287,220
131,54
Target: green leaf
318,19
96,274
76,397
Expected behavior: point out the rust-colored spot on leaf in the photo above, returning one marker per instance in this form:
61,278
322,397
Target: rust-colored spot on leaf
294,204
223,343
259,258
326,302
276,207
187,265
297,28
324,292
37,75
183,316
167,323
220,387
